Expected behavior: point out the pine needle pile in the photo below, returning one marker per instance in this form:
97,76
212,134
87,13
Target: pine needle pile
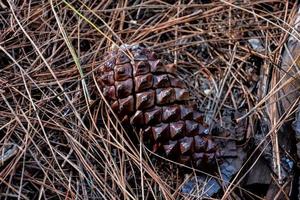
59,138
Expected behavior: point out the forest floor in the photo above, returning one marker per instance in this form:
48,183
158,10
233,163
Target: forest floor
59,140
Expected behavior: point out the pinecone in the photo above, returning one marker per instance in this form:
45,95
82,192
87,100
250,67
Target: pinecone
148,95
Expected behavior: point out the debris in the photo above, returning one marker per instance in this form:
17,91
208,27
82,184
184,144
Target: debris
256,44
7,151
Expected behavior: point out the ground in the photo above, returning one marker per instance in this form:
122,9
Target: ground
59,139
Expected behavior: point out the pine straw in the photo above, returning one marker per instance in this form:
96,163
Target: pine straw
67,144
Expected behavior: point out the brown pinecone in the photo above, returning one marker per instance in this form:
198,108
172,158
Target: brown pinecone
148,95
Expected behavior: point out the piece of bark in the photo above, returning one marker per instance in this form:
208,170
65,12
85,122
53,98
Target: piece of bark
290,68
277,193
259,174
